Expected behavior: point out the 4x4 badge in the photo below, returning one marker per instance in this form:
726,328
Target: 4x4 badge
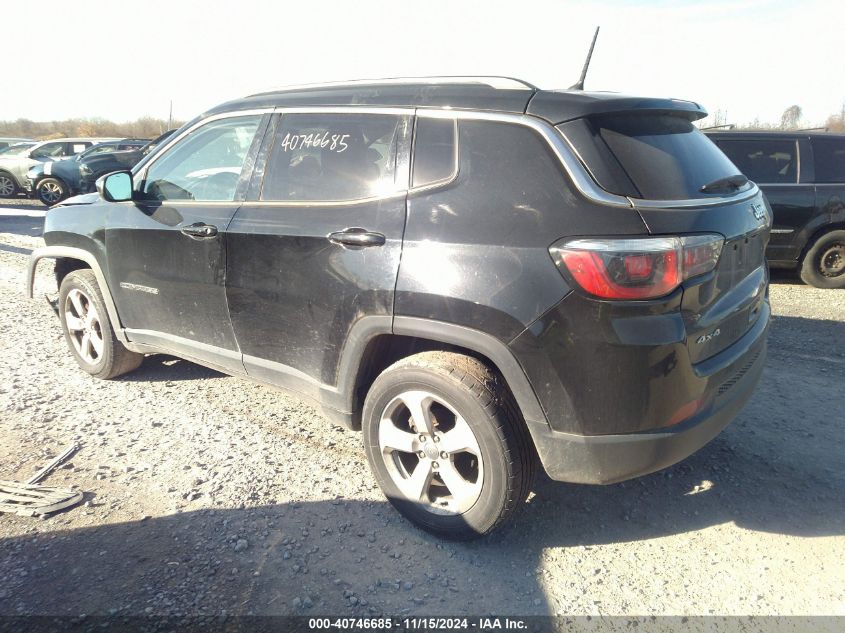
758,210
706,338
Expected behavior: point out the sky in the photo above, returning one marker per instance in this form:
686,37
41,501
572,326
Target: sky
104,58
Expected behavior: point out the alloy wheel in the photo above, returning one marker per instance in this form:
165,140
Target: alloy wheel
84,327
50,192
431,453
7,187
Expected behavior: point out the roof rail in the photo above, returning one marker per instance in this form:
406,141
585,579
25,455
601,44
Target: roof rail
823,128
493,81
728,126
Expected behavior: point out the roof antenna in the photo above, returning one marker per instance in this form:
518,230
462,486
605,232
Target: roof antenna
580,84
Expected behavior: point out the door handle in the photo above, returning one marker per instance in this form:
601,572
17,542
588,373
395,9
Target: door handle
356,236
199,230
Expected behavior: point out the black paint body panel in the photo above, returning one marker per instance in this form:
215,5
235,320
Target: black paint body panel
147,249
294,296
476,251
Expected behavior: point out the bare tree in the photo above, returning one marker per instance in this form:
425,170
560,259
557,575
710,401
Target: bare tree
790,117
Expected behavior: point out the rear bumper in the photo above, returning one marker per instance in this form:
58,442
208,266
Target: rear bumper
607,459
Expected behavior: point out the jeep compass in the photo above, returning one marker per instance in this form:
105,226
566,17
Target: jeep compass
482,276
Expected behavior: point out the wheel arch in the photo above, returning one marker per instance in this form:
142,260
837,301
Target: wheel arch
44,177
69,258
6,172
817,235
367,356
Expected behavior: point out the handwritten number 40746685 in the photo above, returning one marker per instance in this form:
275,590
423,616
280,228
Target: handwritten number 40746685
332,142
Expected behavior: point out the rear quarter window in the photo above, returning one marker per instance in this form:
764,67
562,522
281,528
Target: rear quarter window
829,158
650,156
435,151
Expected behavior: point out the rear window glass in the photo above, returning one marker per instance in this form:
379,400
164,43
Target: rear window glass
763,160
829,155
333,157
665,157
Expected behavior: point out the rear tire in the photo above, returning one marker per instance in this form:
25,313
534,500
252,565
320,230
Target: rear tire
8,186
51,191
483,466
823,265
88,330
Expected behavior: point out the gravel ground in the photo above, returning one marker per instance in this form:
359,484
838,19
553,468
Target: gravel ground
207,494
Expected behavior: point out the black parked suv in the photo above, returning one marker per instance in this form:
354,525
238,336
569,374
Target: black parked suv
481,274
803,176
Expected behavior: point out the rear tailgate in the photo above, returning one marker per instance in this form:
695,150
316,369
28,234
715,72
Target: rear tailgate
722,305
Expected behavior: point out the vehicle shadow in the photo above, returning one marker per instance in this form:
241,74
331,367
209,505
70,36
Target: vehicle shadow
164,368
22,219
785,276
778,469
361,558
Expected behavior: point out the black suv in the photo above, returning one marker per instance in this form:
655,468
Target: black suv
803,176
477,272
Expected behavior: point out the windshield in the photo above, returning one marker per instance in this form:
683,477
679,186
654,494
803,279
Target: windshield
653,156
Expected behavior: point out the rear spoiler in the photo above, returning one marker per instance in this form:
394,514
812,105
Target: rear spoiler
559,106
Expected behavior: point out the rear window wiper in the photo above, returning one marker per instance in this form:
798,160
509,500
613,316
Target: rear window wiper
728,183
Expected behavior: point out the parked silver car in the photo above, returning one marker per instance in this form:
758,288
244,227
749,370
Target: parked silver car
6,141
14,163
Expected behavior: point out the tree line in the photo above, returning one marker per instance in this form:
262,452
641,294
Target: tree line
150,127
145,127
791,119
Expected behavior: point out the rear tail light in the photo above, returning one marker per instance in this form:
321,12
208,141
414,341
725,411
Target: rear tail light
636,268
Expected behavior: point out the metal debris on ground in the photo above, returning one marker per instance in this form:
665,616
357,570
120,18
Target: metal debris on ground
31,499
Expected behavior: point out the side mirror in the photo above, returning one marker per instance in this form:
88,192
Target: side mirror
115,187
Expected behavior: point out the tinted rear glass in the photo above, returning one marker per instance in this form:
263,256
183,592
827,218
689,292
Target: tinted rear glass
665,157
829,155
763,160
434,150
327,156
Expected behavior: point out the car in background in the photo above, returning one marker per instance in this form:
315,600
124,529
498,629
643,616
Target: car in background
803,176
8,141
53,181
95,166
15,164
17,147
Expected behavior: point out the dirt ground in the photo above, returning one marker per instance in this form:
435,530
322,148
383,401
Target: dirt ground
207,494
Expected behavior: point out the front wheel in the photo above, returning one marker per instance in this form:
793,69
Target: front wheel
823,265
88,330
8,186
447,445
51,191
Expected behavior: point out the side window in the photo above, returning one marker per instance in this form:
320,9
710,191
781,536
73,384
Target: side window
829,157
101,149
764,160
206,164
435,150
334,157
50,150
